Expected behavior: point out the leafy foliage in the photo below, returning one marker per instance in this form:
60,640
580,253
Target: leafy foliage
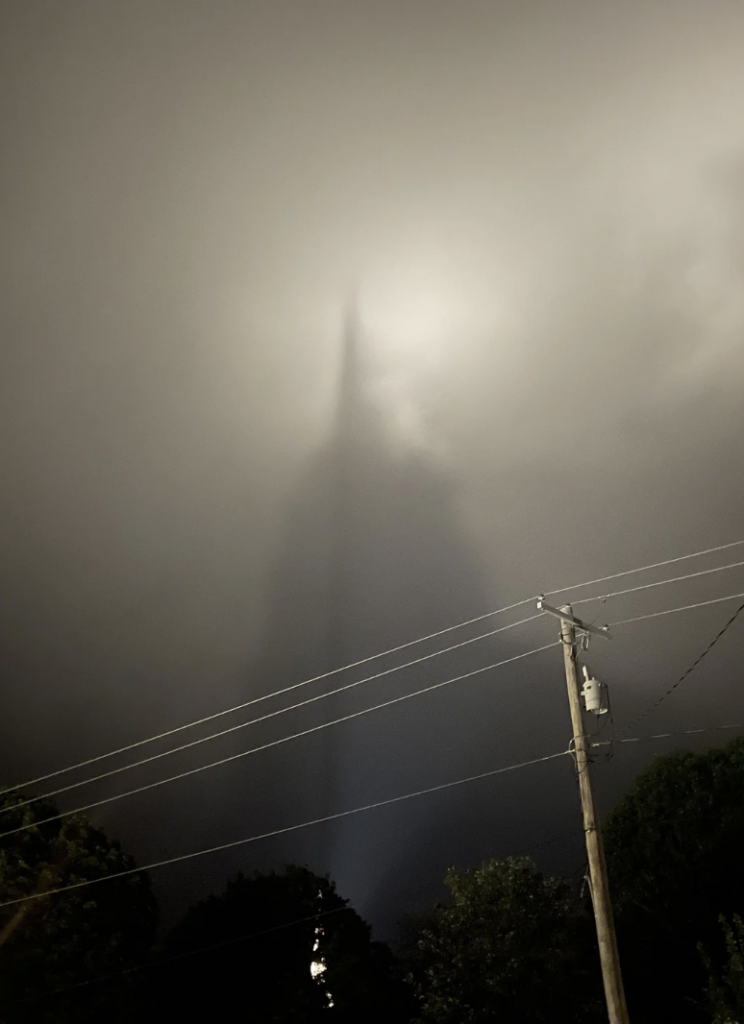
673,847
511,946
248,952
65,941
725,989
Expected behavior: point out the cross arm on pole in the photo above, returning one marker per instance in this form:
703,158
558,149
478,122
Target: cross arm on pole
543,606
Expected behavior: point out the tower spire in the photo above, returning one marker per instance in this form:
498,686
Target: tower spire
342,494
348,400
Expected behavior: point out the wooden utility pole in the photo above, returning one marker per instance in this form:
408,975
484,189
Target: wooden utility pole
610,961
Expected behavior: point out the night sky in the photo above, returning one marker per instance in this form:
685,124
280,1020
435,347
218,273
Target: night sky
326,325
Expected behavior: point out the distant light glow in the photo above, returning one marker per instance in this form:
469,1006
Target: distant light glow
318,965
411,320
417,305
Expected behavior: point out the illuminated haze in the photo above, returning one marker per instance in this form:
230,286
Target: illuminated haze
538,209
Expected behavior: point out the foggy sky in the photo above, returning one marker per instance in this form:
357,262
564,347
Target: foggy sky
539,209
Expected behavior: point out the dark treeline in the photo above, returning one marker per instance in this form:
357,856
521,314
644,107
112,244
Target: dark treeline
510,944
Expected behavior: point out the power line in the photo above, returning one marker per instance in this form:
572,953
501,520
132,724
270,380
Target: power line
263,718
645,568
363,661
558,836
659,583
282,831
325,725
275,743
687,672
671,611
669,735
268,696
393,800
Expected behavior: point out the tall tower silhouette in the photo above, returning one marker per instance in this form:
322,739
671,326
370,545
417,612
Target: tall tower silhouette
350,444
348,437
371,554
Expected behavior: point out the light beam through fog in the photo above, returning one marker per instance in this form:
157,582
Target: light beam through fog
544,207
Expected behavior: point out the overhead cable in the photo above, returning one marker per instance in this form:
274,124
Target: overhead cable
263,718
362,661
682,608
658,583
645,568
278,742
280,831
671,735
687,671
267,696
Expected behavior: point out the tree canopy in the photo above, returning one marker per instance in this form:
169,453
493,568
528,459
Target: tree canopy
725,989
674,853
510,945
250,950
62,942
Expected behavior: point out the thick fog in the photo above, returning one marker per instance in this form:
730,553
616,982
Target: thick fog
327,325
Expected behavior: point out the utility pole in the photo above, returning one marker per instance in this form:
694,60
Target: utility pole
608,954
